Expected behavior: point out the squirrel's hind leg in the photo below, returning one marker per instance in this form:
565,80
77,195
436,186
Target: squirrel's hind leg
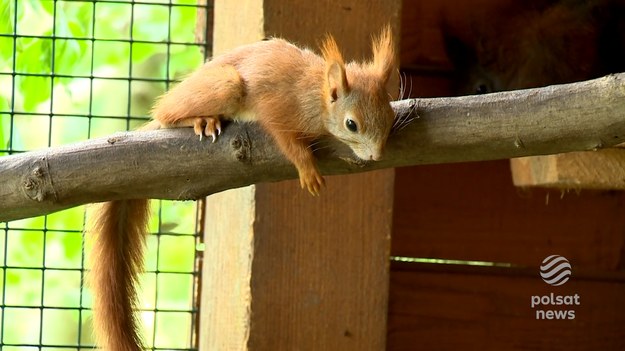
201,99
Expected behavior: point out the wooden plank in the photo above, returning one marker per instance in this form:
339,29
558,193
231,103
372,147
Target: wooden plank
320,273
472,211
447,311
229,216
603,169
311,273
306,22
236,23
226,270
421,42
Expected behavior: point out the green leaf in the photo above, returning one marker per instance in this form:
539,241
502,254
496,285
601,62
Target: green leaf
35,90
45,5
61,27
6,54
77,29
69,56
34,55
7,14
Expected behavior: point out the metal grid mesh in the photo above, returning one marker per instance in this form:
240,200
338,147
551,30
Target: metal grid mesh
76,69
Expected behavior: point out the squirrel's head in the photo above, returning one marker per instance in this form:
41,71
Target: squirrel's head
359,110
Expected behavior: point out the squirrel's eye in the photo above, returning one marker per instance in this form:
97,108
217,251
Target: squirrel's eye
481,89
351,125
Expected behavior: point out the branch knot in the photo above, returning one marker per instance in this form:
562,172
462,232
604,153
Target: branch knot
242,148
37,184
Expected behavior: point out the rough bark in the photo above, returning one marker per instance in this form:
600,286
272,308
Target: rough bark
173,164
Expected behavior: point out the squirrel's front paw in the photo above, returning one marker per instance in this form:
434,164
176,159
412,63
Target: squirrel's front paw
209,126
312,181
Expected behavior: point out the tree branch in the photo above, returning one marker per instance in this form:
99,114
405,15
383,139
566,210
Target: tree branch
173,164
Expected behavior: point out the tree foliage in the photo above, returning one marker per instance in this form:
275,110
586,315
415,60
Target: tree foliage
66,88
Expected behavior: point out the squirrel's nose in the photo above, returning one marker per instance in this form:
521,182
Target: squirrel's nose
376,154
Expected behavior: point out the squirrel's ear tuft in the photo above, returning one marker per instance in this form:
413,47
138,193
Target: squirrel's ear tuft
330,50
336,79
384,53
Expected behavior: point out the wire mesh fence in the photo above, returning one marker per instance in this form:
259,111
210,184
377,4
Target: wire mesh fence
72,70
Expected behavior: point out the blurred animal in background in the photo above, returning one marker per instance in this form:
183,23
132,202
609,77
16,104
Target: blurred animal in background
537,43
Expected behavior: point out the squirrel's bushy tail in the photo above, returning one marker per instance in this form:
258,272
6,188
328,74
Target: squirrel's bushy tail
118,230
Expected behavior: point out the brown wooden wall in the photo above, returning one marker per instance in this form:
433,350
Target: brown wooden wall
471,212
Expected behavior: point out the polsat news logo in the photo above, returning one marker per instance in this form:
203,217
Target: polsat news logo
555,270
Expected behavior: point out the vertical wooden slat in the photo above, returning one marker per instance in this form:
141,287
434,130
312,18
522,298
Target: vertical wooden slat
229,218
224,315
320,272
236,23
284,270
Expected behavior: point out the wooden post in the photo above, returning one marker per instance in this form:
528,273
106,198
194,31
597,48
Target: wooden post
284,270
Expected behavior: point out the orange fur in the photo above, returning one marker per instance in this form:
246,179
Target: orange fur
384,53
118,229
221,97
294,94
330,51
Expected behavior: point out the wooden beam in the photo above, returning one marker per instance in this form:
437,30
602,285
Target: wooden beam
226,271
283,270
601,169
229,216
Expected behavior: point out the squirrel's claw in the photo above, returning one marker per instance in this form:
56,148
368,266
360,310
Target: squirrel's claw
207,126
312,181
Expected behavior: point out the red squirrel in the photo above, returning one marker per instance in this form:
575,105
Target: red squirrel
538,43
295,95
